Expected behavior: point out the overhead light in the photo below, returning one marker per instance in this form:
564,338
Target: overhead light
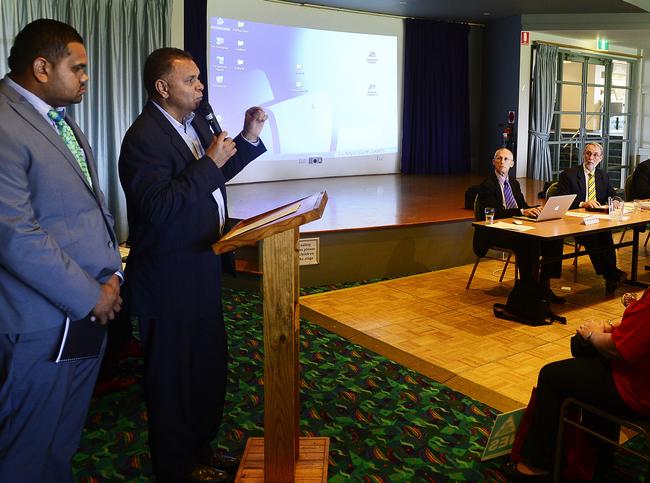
486,13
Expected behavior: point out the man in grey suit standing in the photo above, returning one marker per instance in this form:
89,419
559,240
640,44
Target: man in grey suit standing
58,254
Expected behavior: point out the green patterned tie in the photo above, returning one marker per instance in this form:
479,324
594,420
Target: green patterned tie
65,131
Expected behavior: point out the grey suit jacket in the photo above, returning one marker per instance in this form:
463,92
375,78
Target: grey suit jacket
57,242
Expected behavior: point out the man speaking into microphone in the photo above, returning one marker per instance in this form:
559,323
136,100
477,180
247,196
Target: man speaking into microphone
173,169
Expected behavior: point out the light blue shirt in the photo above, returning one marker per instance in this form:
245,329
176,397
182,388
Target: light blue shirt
39,104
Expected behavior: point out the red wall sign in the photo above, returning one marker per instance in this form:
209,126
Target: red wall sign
525,37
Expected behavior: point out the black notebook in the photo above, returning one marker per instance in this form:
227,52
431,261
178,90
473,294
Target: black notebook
82,339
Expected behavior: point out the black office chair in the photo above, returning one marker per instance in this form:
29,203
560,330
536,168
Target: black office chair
641,427
477,217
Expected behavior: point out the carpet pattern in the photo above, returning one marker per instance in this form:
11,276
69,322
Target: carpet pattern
386,423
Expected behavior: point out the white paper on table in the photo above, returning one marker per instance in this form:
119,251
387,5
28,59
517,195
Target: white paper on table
608,217
511,226
594,215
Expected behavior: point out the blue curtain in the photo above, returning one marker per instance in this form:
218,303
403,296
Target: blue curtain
195,37
435,137
542,101
118,35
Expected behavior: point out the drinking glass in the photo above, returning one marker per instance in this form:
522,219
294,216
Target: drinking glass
489,215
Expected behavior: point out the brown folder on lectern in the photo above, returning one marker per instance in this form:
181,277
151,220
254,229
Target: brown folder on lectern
281,455
264,225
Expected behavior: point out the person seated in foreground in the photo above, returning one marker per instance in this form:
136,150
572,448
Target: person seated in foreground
592,187
503,193
640,184
615,379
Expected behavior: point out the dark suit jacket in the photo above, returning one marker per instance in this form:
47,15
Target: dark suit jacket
171,271
490,196
640,185
572,181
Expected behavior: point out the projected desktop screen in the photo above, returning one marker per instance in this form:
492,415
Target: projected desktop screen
331,96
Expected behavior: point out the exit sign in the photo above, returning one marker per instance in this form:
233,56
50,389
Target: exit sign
602,44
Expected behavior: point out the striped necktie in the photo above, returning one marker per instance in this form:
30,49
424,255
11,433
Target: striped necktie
65,131
591,188
508,196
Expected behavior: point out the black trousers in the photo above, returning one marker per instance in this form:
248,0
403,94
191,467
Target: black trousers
527,250
588,379
604,262
185,389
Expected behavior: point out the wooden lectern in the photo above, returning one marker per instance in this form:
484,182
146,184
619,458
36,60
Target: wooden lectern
281,455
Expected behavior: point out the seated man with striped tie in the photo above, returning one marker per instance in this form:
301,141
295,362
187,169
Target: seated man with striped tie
503,193
591,185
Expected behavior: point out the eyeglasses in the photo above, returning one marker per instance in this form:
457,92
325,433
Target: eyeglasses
594,153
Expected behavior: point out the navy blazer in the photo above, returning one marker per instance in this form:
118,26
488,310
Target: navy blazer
171,271
490,195
572,181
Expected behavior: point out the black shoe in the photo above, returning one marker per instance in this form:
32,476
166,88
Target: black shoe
205,474
554,299
222,461
545,282
611,284
511,470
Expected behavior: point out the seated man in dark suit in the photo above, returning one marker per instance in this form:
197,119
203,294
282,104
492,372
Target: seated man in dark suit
640,187
503,193
591,185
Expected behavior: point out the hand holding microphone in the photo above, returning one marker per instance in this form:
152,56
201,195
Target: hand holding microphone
221,149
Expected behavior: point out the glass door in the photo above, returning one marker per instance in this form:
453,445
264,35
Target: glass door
592,105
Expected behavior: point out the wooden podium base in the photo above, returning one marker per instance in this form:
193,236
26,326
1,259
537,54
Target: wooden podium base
311,466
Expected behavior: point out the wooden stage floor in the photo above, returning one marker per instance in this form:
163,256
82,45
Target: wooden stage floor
430,323
367,202
376,226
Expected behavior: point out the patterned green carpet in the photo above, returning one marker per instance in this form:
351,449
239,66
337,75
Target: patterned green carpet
386,423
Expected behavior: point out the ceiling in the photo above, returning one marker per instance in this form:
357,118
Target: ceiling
633,31
481,10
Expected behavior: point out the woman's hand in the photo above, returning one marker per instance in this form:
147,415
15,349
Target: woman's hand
589,327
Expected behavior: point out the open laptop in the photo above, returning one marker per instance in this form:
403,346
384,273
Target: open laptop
555,207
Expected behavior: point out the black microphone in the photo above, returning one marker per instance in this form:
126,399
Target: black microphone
205,109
